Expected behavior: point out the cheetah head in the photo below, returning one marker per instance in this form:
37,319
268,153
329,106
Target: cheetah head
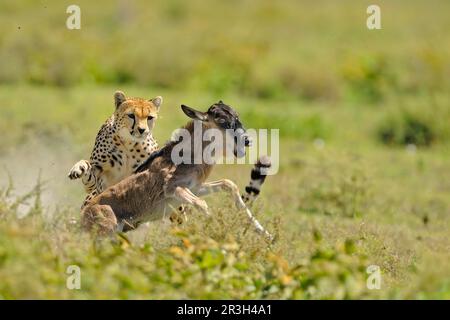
135,117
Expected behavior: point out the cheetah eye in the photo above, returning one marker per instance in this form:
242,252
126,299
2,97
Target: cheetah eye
131,116
149,118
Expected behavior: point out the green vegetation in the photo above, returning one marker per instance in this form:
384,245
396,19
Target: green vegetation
189,265
364,126
299,49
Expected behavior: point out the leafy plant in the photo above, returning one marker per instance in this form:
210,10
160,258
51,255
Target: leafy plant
405,130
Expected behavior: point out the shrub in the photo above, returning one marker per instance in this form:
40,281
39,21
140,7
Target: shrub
35,252
406,129
420,120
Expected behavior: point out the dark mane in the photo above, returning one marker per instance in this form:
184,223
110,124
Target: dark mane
215,109
158,153
144,166
219,107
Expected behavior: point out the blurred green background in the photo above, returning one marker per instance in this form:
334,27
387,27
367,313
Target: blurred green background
300,49
363,116
288,55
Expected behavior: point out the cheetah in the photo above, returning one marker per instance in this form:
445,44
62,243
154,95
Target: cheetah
123,143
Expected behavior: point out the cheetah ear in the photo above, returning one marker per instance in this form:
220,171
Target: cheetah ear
157,102
119,98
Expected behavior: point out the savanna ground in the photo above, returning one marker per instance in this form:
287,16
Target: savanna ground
363,115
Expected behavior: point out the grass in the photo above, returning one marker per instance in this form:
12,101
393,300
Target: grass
388,202
364,147
269,50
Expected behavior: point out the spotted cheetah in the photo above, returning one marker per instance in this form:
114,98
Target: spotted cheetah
123,143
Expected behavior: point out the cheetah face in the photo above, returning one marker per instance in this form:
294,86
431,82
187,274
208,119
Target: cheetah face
135,117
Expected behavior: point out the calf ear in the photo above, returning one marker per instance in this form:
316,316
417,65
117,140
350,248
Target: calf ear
157,102
119,98
194,114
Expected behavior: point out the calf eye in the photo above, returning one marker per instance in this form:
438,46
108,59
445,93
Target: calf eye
131,116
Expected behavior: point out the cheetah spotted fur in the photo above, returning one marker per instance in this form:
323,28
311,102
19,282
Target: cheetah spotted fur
123,143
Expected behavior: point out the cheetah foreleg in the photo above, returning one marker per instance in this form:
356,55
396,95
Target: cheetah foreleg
89,176
80,169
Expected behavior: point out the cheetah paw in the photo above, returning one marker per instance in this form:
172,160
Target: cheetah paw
79,169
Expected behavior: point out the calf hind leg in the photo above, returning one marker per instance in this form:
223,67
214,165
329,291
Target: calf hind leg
230,186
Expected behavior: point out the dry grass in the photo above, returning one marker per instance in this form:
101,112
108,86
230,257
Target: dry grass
364,149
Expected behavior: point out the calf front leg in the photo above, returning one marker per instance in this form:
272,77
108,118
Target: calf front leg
230,186
186,196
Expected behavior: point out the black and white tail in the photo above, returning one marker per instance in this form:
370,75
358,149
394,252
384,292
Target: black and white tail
257,178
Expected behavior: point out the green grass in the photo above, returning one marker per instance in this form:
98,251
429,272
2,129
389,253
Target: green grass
364,146
317,51
390,202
